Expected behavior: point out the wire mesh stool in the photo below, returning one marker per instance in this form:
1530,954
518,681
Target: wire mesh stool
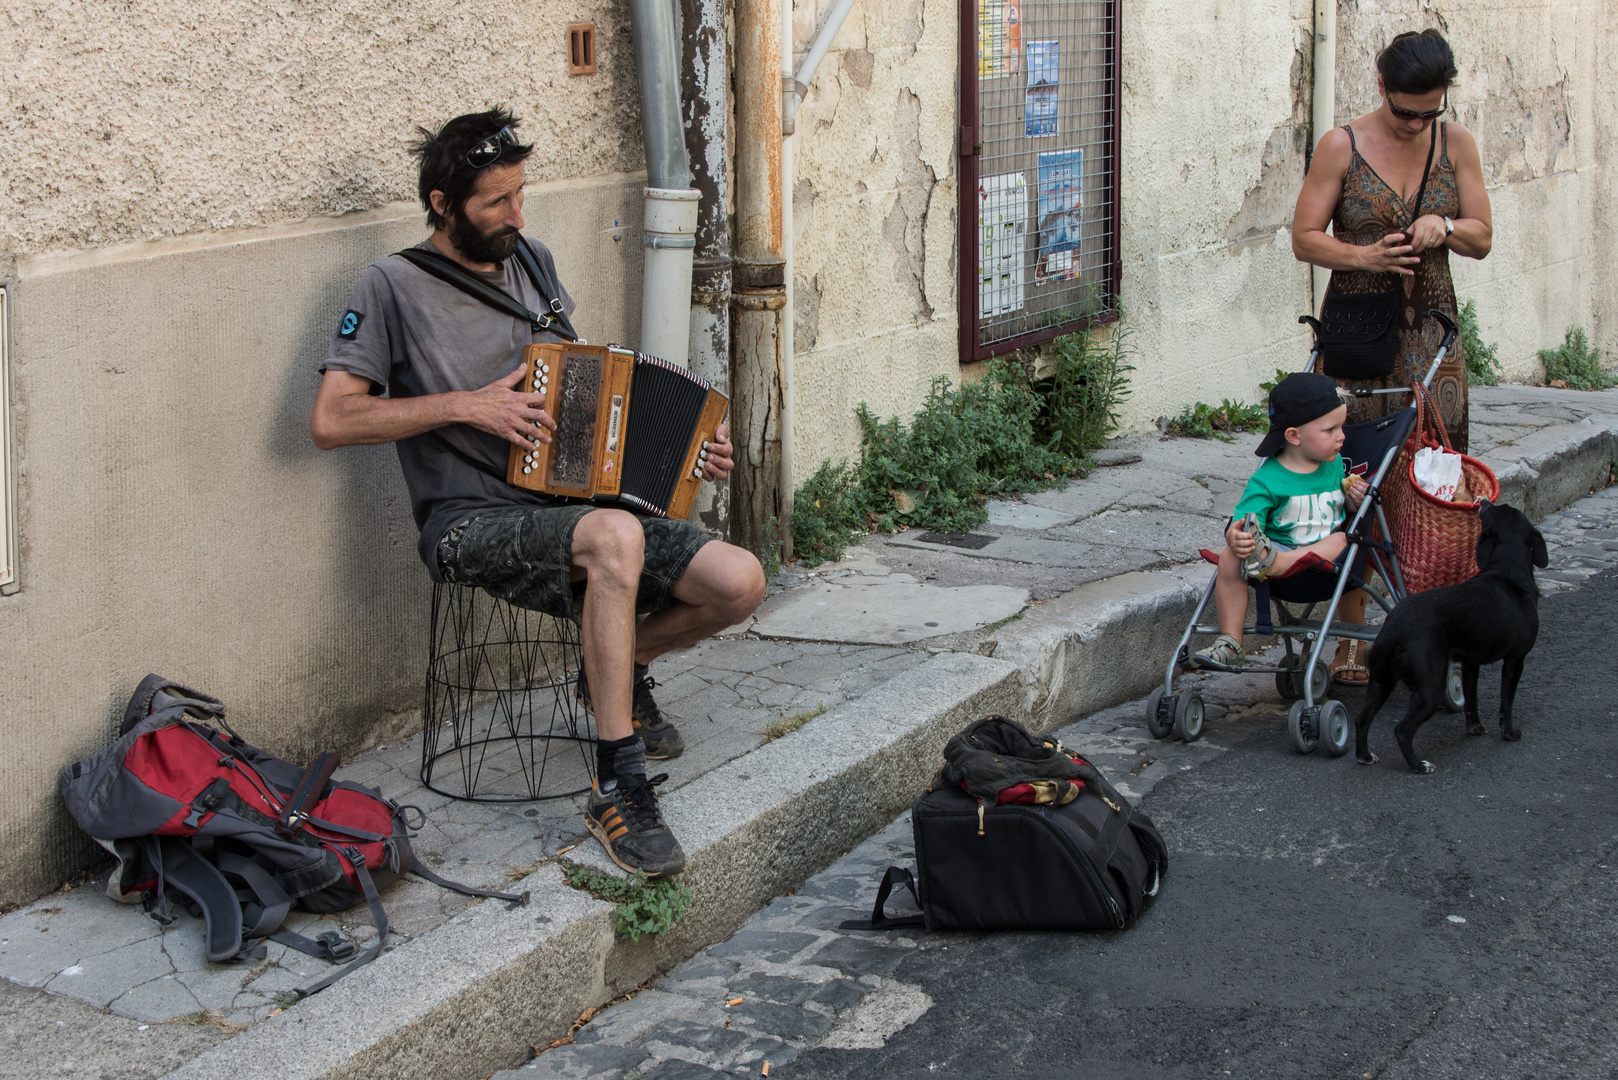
499,698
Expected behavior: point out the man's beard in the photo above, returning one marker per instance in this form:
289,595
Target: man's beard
480,247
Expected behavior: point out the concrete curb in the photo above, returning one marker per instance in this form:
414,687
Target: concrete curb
1100,644
1554,467
468,998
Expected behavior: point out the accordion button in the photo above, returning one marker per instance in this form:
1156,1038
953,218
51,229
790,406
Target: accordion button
526,470
546,368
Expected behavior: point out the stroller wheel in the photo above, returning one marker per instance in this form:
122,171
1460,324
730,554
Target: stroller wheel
1286,682
1188,714
1159,714
1454,692
1301,725
1319,681
1333,728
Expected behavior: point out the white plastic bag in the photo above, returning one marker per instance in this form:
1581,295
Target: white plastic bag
1438,472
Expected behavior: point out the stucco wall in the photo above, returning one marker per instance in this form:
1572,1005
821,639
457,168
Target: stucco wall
1215,130
186,198
1537,89
874,220
130,121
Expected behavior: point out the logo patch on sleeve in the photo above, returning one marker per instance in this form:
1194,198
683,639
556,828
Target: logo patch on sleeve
351,324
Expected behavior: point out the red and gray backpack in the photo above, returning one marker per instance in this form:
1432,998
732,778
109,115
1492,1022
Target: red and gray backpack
182,801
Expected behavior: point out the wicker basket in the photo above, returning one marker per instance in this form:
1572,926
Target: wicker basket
1436,539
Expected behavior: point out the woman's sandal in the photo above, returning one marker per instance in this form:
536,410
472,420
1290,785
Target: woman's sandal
1348,671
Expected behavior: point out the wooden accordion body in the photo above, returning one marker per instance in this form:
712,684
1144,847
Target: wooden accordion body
630,429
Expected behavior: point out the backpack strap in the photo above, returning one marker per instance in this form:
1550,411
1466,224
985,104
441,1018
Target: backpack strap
196,877
879,920
451,272
407,859
378,916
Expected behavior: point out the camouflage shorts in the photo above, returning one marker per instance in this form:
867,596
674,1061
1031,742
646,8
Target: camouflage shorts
523,554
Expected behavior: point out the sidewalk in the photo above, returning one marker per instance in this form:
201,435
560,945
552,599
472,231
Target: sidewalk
1060,607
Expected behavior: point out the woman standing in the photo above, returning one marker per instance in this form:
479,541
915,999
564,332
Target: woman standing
1366,179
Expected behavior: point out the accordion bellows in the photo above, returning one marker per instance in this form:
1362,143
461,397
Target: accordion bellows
630,429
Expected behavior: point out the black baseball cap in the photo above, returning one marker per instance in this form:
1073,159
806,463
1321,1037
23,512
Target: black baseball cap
1297,399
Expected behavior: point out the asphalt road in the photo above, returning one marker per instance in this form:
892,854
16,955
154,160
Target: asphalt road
1310,923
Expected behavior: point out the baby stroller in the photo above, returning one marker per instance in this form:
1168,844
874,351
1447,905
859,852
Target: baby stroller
1369,449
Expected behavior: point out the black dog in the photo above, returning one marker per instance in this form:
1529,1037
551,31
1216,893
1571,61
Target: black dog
1494,616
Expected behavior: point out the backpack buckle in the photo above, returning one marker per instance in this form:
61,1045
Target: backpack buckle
556,306
339,950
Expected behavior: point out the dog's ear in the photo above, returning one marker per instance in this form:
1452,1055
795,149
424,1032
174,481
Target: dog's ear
1542,558
1485,549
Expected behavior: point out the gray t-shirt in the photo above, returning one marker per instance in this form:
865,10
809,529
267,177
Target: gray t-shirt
411,334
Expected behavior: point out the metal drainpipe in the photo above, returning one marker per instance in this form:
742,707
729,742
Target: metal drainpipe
704,95
758,293
1324,112
671,202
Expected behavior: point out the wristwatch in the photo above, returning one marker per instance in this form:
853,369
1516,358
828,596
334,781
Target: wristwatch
1449,228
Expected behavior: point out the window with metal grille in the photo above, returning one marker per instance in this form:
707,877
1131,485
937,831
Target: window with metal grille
1039,171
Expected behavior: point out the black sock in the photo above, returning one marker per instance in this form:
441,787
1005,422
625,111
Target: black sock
641,671
618,757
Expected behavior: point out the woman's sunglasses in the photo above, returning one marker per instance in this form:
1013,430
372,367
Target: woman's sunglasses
488,151
1411,114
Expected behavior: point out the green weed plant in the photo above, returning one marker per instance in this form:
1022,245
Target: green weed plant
1203,421
1575,363
1482,365
1028,424
645,905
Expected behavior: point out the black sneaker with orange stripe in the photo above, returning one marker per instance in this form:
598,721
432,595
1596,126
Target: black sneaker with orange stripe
630,826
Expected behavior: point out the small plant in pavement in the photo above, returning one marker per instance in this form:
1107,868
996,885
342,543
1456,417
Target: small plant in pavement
1574,365
644,905
1202,421
1029,423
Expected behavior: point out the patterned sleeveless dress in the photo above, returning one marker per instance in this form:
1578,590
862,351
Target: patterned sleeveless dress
1366,212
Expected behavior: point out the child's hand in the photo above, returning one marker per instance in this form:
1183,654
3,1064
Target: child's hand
1355,491
1241,543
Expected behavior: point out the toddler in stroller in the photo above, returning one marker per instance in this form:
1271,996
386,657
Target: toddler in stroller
1289,543
1291,513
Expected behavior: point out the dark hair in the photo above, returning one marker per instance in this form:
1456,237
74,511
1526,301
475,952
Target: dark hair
443,158
1417,63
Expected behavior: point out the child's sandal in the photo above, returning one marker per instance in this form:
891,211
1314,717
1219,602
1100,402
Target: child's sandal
1257,566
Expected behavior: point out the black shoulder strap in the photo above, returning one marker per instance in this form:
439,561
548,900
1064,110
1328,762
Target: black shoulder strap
879,920
547,287
453,273
1421,192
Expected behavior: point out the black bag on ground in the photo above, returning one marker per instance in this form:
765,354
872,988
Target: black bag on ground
1016,833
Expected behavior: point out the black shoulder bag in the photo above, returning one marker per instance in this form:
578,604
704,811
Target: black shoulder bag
1359,333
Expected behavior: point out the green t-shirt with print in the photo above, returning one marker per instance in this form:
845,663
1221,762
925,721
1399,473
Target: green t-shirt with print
1295,509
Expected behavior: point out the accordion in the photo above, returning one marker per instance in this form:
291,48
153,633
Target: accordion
631,429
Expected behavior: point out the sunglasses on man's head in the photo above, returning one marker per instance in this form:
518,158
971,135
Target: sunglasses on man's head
1411,114
488,151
